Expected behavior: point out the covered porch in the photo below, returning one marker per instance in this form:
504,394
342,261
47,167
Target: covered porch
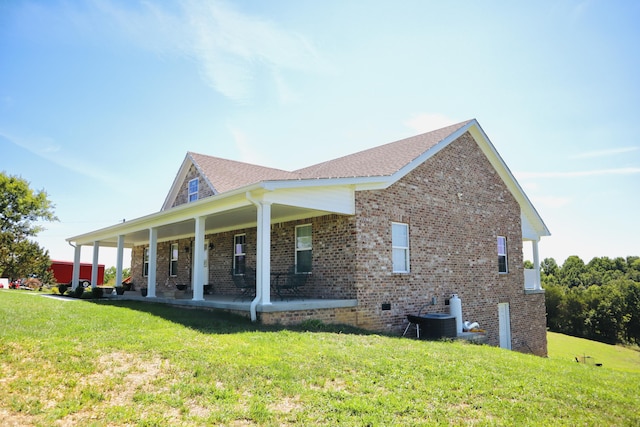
258,209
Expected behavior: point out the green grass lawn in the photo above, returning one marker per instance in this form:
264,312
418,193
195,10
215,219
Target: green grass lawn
73,362
564,347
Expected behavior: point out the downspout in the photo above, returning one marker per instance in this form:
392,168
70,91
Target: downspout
75,272
258,297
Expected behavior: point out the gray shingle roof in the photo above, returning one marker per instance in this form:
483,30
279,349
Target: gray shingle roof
384,160
226,175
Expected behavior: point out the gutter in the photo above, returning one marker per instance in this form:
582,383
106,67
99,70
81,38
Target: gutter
258,297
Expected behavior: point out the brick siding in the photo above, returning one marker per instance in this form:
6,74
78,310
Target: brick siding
203,188
455,205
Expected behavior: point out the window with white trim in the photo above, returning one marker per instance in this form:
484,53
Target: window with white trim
173,265
304,248
145,262
239,254
193,190
400,247
502,255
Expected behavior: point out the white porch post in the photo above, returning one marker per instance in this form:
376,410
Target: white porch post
263,258
94,266
153,255
198,261
536,265
119,259
75,275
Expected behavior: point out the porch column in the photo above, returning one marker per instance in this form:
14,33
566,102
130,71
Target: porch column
119,259
198,261
263,258
94,266
536,265
75,275
153,255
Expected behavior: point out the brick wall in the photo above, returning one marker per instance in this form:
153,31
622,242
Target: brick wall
336,316
456,205
203,188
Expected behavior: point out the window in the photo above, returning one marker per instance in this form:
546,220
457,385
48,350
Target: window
173,265
193,190
400,247
303,248
502,255
239,253
145,262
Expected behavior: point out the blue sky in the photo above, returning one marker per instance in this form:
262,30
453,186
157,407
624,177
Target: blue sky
101,99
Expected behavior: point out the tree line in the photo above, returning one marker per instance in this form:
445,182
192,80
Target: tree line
599,300
22,211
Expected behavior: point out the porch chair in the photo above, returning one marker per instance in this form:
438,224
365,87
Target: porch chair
246,283
292,283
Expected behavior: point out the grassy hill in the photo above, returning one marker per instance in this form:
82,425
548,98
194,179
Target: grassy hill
564,347
72,362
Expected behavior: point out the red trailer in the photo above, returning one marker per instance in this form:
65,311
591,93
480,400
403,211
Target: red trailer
63,272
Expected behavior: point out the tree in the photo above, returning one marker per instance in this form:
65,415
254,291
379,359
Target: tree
572,272
20,209
549,267
110,275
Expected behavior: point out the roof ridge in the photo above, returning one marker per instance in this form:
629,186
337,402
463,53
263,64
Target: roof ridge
380,160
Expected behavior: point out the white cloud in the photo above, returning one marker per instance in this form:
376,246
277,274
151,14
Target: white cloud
605,153
425,122
231,49
248,153
47,149
578,174
551,201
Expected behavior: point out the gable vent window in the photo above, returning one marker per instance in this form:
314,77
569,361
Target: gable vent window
400,247
502,255
193,190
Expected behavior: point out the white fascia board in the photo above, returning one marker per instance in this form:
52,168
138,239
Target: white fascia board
534,222
428,154
336,199
203,175
175,187
185,212
322,182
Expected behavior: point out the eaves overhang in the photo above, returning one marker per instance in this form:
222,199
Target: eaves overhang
290,199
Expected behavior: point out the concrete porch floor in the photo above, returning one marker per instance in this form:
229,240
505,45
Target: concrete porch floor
232,302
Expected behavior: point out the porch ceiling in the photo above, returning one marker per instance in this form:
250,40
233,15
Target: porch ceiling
233,219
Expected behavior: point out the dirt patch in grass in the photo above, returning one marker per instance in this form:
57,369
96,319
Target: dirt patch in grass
118,377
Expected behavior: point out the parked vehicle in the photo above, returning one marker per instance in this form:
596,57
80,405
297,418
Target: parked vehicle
63,272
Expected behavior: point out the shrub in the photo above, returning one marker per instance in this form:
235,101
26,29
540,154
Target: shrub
77,293
62,289
97,292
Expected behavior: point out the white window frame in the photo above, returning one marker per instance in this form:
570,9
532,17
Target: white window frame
173,258
192,192
400,247
501,242
145,262
303,246
239,250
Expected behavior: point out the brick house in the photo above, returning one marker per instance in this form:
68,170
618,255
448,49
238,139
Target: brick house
376,235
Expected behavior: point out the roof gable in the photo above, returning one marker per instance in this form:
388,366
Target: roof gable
388,163
222,175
